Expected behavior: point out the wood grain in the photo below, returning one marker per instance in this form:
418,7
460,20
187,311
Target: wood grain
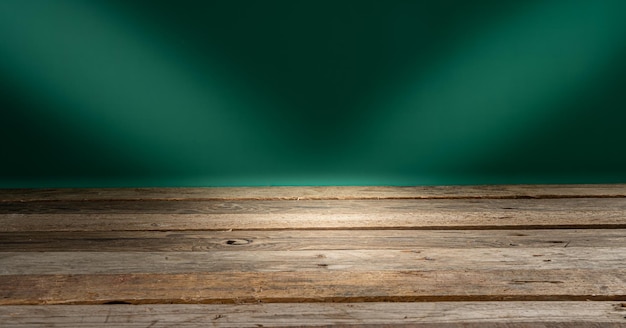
419,259
475,256
569,205
421,314
276,215
316,192
431,221
316,286
297,240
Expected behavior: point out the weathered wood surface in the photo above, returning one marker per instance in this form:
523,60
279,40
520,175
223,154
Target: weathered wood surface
554,255
317,206
418,259
312,214
298,240
317,286
303,193
422,314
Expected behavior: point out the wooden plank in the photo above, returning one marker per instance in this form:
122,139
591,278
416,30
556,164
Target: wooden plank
297,240
271,215
423,314
504,206
225,222
318,192
422,259
319,286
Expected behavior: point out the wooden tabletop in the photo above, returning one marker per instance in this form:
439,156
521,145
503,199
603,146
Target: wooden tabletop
447,256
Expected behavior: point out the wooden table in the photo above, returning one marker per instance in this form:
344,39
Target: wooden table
471,256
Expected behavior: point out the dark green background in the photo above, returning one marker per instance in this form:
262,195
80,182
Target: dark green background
214,93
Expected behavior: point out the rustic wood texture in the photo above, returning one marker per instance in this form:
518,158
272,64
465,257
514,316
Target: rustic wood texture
474,256
422,259
317,286
298,240
314,214
421,314
303,193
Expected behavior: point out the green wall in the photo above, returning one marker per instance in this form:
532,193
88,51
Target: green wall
320,92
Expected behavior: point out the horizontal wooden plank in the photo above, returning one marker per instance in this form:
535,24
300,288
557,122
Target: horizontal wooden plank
423,314
225,222
295,240
319,286
413,206
422,259
316,192
267,215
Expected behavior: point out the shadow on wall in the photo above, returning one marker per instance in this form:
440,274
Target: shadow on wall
197,93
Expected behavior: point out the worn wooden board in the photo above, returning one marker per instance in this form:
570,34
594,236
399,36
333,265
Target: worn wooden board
317,192
295,240
374,206
422,314
608,219
321,286
276,215
419,259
